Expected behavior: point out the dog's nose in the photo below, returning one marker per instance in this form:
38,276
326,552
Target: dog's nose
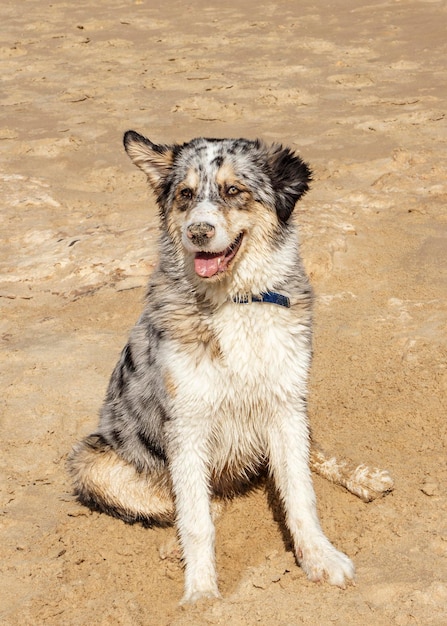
200,232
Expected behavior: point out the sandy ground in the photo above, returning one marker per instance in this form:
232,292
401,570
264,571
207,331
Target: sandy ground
359,89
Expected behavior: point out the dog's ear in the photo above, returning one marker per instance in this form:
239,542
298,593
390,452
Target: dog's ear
290,178
155,160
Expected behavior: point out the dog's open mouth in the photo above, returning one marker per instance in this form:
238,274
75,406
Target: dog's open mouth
208,264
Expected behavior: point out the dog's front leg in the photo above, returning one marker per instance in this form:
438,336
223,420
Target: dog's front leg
289,462
195,527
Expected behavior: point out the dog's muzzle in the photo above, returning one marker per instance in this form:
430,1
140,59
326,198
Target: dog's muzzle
200,233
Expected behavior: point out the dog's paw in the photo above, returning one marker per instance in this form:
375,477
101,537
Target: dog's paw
323,562
194,595
200,582
369,483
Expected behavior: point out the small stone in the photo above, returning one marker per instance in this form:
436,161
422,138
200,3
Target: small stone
430,488
259,583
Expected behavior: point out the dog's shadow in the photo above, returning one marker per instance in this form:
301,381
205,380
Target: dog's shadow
277,509
262,482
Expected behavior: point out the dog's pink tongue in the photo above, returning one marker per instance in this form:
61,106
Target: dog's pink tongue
207,265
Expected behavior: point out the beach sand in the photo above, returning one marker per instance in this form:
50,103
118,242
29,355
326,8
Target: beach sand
359,91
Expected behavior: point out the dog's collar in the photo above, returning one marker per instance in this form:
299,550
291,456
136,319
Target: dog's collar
269,296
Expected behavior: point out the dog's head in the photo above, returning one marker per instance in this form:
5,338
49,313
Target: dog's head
220,198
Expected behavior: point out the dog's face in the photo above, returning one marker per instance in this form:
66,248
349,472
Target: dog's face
220,199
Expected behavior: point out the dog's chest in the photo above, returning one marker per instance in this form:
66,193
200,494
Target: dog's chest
255,341
231,397
262,359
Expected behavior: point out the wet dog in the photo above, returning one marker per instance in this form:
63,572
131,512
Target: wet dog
210,390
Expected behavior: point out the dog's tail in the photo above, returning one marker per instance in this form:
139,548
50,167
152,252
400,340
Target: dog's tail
368,483
105,482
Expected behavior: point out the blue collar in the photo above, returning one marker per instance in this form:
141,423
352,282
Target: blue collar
269,296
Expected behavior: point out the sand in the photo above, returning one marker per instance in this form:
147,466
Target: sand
359,90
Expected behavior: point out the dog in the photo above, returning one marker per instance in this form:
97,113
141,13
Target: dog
210,391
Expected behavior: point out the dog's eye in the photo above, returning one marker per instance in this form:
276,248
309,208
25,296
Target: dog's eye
232,190
186,193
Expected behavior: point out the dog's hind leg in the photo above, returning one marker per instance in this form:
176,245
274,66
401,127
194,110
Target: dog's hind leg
105,482
368,483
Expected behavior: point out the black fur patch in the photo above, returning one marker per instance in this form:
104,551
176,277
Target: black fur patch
118,437
128,359
217,161
151,446
290,177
